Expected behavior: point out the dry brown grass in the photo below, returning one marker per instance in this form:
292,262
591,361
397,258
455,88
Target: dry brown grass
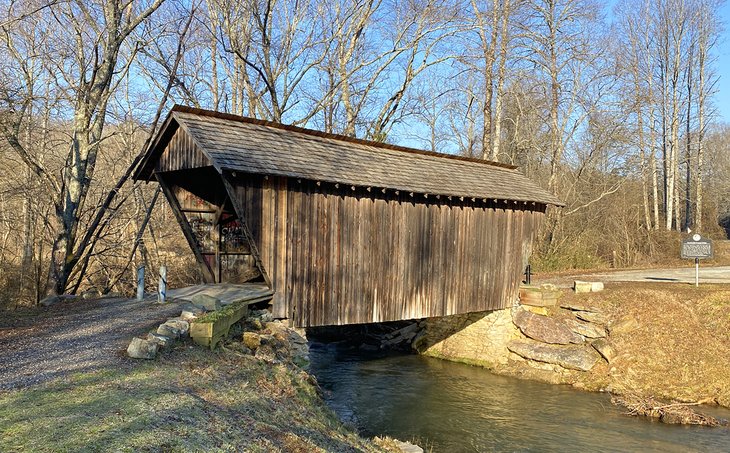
680,349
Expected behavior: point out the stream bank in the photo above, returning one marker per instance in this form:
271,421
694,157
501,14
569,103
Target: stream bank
445,406
243,396
643,340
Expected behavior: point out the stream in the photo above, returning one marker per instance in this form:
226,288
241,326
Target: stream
450,407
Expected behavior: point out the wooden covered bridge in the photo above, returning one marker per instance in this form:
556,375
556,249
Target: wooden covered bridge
345,231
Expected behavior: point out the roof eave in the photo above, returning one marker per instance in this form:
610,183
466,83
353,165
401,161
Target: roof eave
548,199
145,169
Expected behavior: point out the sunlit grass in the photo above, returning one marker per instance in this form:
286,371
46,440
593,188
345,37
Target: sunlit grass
187,400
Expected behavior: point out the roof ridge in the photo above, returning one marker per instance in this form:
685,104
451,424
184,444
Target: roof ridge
344,138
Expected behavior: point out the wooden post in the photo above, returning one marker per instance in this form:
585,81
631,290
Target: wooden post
140,282
162,288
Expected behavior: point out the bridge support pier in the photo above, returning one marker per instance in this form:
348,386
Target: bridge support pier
475,338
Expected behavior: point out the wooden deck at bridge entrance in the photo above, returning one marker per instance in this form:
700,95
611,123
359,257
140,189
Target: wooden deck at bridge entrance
227,293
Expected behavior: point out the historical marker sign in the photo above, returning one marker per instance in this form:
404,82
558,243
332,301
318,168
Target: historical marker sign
696,247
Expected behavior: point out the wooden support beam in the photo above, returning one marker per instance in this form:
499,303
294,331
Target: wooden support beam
244,227
208,275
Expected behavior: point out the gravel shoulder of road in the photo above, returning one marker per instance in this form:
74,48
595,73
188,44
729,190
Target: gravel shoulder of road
78,336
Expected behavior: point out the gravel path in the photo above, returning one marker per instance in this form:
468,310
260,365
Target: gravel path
73,337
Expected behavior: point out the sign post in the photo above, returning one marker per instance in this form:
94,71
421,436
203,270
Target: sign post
140,282
697,272
698,248
162,287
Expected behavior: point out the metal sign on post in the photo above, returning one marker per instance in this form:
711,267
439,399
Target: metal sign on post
698,248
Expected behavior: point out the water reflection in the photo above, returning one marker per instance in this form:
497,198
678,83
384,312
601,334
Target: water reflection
452,408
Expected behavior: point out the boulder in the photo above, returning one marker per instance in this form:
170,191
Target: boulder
544,329
624,325
206,302
192,308
572,306
188,316
587,329
142,349
180,324
594,317
169,331
582,287
543,296
537,310
255,323
587,287
572,357
605,348
161,340
50,300
263,315
252,340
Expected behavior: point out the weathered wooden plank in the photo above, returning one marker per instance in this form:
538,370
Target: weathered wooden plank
345,225
281,309
240,213
477,218
342,256
295,276
329,289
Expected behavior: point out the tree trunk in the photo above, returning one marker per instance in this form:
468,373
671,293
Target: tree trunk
688,150
501,67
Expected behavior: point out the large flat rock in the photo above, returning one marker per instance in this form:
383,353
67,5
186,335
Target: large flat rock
573,357
543,328
587,329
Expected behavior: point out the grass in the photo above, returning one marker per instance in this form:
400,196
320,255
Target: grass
680,349
224,312
189,399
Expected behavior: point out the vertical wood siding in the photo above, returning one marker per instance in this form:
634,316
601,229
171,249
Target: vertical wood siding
181,153
341,256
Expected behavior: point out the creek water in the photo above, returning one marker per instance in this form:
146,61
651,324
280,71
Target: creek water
450,407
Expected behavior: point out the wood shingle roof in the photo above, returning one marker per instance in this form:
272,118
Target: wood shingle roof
246,145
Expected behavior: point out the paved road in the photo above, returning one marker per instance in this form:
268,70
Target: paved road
720,274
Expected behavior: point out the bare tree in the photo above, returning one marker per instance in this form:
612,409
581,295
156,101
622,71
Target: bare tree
707,36
91,39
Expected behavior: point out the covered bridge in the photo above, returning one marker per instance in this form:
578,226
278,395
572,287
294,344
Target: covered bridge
344,231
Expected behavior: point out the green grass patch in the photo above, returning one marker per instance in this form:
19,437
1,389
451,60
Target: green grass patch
188,400
223,313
